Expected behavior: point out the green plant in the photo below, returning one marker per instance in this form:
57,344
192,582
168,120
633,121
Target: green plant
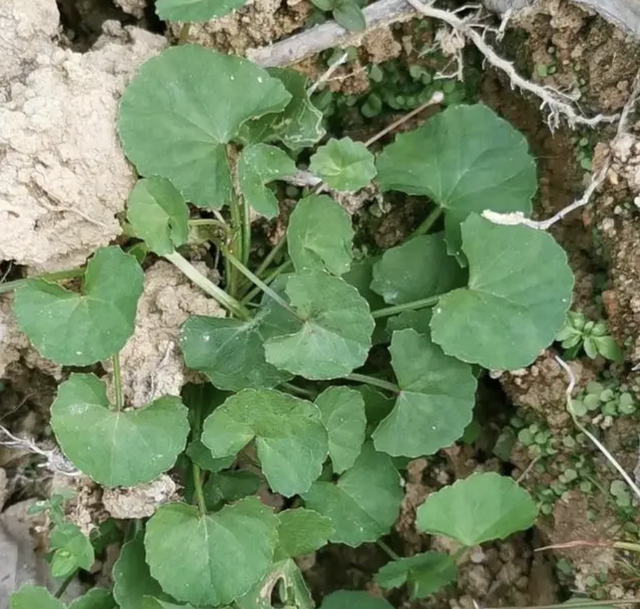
346,12
578,333
294,404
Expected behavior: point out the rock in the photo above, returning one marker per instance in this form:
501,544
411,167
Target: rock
138,502
63,176
133,7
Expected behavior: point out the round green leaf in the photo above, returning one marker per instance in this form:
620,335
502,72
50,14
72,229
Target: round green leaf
419,268
97,598
349,15
80,329
72,550
258,165
335,335
343,164
301,532
480,508
342,411
520,288
354,599
291,440
320,235
467,159
364,503
117,448
32,597
230,352
181,110
158,215
424,573
149,602
132,580
220,555
436,400
196,10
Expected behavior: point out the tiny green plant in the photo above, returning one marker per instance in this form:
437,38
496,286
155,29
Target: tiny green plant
293,403
347,13
579,334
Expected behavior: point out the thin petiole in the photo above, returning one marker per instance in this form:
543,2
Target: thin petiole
184,33
371,380
383,546
429,221
57,276
271,256
117,381
197,488
408,306
218,294
305,393
268,280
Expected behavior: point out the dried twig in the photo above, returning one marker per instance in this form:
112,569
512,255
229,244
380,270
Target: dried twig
332,68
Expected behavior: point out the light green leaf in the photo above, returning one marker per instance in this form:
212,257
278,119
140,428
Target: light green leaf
467,159
419,268
149,602
34,597
81,329
230,487
171,125
335,335
291,440
97,598
424,573
158,214
72,550
117,448
364,503
301,532
220,555
258,165
320,235
298,126
344,164
230,351
520,288
435,404
354,599
349,15
131,577
342,411
195,11
479,508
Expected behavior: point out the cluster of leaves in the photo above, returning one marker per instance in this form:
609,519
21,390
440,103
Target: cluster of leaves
473,293
578,333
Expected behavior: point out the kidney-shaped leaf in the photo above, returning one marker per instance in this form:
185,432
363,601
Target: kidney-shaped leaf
417,269
520,288
80,329
220,555
335,328
260,164
290,438
343,415
320,235
436,400
424,573
344,164
364,503
301,532
480,508
117,448
467,159
196,10
183,107
158,215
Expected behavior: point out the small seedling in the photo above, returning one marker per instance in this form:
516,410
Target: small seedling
578,333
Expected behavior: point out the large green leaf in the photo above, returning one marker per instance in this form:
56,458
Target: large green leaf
80,329
181,110
344,164
301,532
220,555
158,214
435,404
424,573
354,599
320,235
97,598
117,448
37,597
479,508
196,10
364,503
131,577
520,289
419,268
466,159
291,440
258,165
298,126
343,415
334,333
230,351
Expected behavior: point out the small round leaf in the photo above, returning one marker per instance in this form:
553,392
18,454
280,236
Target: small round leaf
349,15
30,597
344,164
117,448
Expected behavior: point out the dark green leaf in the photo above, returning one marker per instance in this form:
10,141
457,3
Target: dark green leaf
301,532
354,599
230,487
350,16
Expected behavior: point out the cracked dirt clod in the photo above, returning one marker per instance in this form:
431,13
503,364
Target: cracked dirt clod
133,7
63,176
141,501
150,362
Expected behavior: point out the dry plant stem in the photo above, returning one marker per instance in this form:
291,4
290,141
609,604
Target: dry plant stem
184,33
572,383
325,77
